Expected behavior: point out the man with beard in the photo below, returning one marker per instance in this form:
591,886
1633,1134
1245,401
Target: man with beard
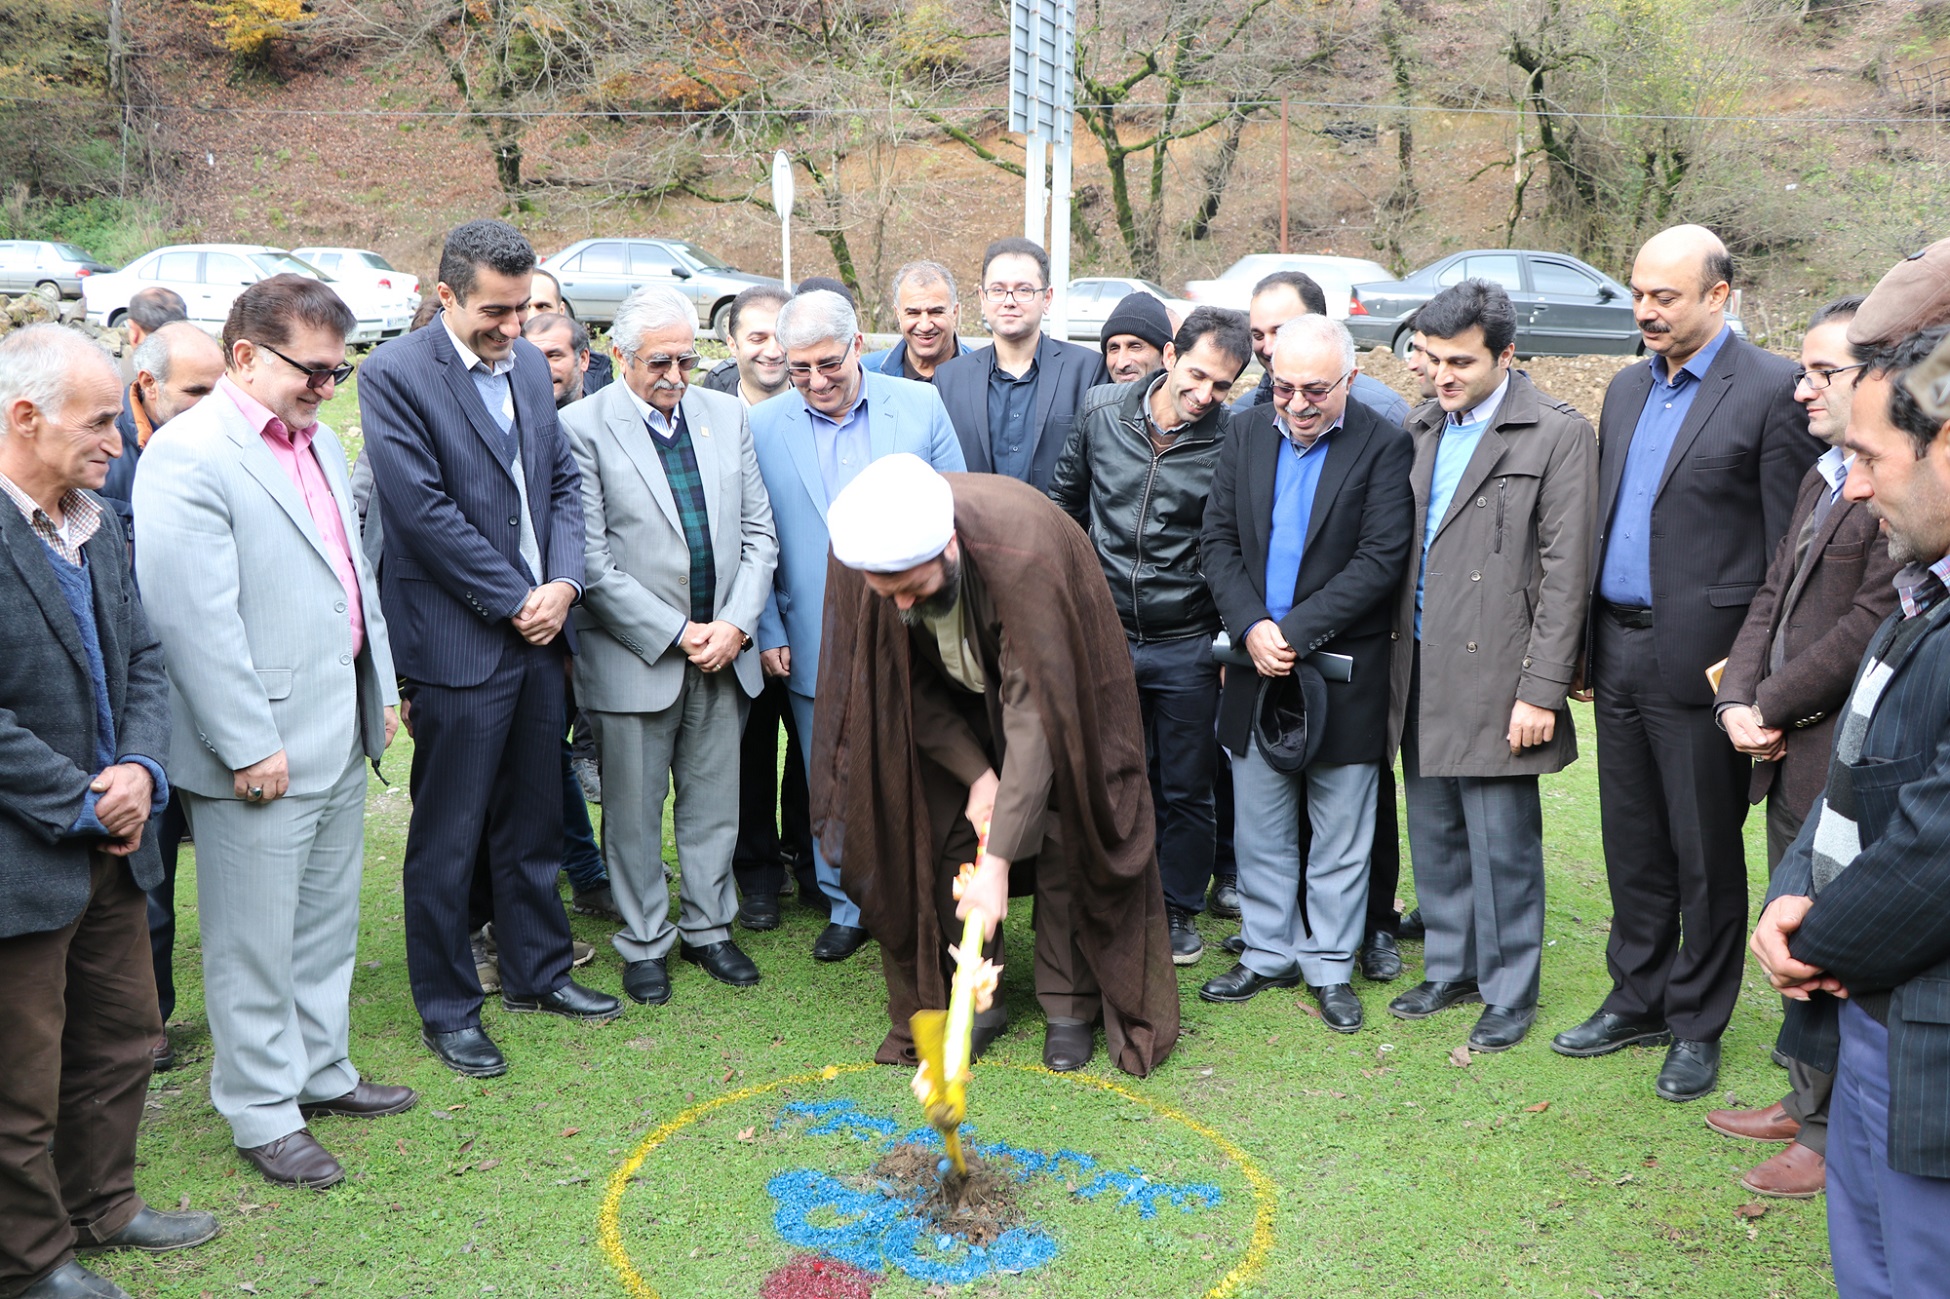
1135,336
755,370
1135,477
975,680
565,345
928,311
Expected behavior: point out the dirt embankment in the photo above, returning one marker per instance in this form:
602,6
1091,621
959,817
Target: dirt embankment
1580,380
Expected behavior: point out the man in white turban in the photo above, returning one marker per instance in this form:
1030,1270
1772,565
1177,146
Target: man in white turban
975,680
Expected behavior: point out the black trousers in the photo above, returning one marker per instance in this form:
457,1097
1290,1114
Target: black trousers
1672,795
774,814
487,767
1384,866
169,828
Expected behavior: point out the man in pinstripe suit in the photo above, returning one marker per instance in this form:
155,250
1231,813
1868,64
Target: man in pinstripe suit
1701,452
281,685
482,560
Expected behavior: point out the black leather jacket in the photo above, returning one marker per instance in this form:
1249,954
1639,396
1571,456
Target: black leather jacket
1143,508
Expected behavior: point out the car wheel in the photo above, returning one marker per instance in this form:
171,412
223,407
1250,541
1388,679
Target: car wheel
115,318
1402,344
49,289
721,322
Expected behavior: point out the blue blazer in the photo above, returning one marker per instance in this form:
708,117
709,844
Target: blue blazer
901,416
450,573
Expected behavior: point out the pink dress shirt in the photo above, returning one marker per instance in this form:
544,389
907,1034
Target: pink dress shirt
294,454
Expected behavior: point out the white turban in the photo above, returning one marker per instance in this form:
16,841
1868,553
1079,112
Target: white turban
898,514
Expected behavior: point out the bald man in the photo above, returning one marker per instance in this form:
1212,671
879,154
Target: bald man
1701,454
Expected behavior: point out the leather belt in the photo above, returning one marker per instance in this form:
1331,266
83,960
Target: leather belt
1626,615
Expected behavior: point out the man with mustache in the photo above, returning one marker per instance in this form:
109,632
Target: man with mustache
1701,452
928,311
973,684
1135,336
1135,477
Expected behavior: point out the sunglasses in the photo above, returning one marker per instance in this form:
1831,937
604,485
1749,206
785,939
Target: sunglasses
315,379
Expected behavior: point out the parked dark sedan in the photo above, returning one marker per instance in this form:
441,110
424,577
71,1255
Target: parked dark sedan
1564,306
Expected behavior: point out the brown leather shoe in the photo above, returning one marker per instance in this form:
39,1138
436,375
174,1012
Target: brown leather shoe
368,1100
1797,1173
295,1160
1769,1124
164,1053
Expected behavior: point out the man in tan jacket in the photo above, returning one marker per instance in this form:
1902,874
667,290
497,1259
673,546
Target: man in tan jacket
1490,621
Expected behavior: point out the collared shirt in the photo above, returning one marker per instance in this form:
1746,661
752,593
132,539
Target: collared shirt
1626,576
1012,415
494,382
1461,432
842,446
293,450
1834,465
1161,438
907,359
953,640
1294,483
655,420
81,518
1920,588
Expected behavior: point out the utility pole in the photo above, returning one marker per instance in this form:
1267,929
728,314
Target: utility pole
1042,106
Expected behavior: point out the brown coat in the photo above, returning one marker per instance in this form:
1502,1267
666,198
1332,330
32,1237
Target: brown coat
1827,612
1504,596
1054,629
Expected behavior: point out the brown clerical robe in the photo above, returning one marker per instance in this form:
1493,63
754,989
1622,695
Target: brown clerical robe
1052,651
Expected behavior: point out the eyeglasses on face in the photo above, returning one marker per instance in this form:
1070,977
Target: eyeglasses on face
1022,293
1311,391
315,379
685,363
1819,377
800,371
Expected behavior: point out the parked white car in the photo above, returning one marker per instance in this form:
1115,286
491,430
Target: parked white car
363,266
210,276
1336,276
1092,299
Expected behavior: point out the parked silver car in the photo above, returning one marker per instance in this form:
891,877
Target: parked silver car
54,270
597,274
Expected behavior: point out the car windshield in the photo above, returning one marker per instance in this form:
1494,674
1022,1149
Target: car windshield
286,264
1156,289
698,258
376,262
74,254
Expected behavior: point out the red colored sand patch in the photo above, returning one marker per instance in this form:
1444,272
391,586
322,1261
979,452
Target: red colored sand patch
808,1276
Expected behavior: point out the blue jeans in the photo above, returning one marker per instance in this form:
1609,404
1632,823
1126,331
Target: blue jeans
580,856
1178,700
844,912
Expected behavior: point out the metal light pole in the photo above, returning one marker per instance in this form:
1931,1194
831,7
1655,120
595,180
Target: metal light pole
782,195
1042,106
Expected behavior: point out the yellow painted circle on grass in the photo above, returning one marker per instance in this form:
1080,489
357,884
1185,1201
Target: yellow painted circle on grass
609,1232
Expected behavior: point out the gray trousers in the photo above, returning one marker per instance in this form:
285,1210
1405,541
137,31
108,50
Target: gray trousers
1478,847
277,895
1808,1087
1340,803
695,743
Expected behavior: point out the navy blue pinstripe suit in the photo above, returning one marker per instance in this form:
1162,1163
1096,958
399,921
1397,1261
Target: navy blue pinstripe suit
487,707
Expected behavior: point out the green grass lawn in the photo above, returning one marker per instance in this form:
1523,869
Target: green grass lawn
1392,1169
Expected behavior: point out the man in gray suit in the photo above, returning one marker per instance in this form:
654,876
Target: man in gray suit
677,563
281,683
84,725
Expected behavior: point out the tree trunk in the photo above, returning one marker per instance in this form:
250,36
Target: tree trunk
1215,176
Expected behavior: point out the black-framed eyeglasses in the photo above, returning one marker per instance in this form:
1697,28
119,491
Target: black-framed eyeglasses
686,362
1818,377
1017,293
1311,391
318,378
799,371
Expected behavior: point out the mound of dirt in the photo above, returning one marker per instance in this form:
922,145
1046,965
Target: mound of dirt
1580,380
977,1208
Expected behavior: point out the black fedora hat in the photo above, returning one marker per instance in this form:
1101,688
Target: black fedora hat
1290,718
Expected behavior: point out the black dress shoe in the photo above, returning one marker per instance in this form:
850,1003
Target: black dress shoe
467,1050
983,1035
295,1159
366,1100
722,961
1068,1046
1234,943
837,942
759,912
1186,945
571,1001
73,1281
1412,927
647,982
1340,1009
1225,897
1242,984
1381,957
1427,998
1501,1027
1605,1032
155,1232
1691,1070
